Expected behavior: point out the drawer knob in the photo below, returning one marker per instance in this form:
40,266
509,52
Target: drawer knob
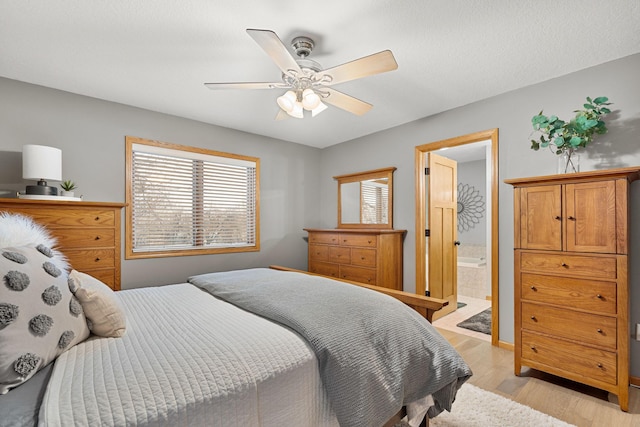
362,258
572,218
98,259
558,217
599,330
97,237
97,218
533,288
368,241
534,318
599,296
533,347
564,264
600,365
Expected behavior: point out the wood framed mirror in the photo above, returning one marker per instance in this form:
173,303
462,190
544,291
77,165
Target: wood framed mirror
365,199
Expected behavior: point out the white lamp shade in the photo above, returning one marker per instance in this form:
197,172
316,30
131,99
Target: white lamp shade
287,101
319,109
296,111
310,99
41,162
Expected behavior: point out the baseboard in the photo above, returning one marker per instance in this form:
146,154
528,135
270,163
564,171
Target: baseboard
634,381
506,345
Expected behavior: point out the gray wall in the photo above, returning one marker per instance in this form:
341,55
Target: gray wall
511,113
91,134
474,175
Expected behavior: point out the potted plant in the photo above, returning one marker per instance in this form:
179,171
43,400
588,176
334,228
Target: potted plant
67,188
564,138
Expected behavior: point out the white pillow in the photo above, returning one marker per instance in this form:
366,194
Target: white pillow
20,230
39,316
105,316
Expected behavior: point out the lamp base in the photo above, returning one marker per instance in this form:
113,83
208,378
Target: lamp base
42,189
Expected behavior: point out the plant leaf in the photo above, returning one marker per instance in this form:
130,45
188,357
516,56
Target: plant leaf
600,100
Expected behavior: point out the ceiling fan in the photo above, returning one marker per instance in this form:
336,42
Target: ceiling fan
309,86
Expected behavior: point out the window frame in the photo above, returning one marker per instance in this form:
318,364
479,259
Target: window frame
130,141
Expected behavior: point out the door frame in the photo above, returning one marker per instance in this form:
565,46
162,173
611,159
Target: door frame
420,150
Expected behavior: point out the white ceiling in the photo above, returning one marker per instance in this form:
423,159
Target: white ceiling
157,54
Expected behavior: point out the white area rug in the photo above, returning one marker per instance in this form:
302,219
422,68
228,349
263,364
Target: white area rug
475,407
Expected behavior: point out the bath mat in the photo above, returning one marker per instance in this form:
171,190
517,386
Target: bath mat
480,322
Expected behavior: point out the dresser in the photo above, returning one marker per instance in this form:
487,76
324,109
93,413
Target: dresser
571,288
368,256
88,233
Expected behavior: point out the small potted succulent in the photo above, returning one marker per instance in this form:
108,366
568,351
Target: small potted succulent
67,188
565,138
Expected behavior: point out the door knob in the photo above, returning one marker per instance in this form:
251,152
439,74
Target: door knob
457,243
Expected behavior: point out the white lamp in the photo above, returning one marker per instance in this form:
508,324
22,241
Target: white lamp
41,163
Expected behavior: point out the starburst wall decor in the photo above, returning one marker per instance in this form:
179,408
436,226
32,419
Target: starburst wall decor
470,207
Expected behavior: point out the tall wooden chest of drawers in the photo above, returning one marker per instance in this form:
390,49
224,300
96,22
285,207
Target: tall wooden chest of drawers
367,256
571,288
88,233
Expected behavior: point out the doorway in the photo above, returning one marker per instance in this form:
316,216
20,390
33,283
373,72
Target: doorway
466,142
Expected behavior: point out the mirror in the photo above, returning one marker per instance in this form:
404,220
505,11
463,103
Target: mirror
365,199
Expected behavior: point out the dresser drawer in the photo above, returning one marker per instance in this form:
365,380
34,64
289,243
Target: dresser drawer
366,240
581,362
87,259
588,328
326,238
339,254
325,269
574,265
318,252
106,276
363,257
69,238
358,274
591,295
54,218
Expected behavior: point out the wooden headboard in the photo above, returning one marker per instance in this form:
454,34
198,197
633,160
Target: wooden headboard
88,233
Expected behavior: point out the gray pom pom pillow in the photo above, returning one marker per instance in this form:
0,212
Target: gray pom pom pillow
39,316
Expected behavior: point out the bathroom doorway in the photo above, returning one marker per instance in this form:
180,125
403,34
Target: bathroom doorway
477,213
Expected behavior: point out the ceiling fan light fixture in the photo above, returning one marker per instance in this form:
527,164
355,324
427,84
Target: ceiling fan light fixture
310,99
296,111
287,101
319,109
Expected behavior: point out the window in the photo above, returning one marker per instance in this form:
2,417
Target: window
375,202
189,201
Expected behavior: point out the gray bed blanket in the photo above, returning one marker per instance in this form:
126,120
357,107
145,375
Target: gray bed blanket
375,354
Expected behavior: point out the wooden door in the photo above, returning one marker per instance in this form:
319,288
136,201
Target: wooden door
541,217
442,223
591,217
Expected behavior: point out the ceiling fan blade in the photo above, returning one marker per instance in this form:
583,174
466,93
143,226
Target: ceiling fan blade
377,63
266,85
282,115
273,46
346,102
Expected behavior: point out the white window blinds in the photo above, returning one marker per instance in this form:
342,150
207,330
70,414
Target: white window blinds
191,201
375,202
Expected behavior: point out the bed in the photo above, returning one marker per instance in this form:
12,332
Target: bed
254,347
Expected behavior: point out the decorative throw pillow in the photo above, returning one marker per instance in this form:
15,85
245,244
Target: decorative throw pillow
100,304
39,316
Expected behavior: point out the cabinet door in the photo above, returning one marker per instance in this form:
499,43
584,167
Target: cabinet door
541,217
591,217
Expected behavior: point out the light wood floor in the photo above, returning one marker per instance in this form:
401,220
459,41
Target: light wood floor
566,400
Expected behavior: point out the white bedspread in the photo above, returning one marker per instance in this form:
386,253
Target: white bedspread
188,359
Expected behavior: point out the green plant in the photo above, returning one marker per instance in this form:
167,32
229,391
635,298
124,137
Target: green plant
68,185
576,133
